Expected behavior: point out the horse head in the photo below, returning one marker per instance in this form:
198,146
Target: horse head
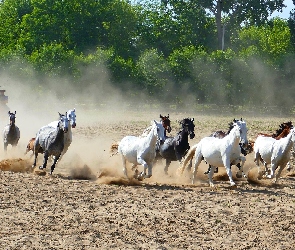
243,131
72,117
159,131
64,122
189,126
166,122
11,117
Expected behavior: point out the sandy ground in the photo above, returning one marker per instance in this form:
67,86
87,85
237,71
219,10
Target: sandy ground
88,204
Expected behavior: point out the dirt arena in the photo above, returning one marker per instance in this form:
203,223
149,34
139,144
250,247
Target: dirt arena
88,204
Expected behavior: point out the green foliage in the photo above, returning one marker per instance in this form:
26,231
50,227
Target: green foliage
153,70
270,41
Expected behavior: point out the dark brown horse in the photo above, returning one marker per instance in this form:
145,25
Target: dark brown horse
166,123
11,133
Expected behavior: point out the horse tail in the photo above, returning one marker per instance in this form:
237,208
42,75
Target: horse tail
114,148
188,157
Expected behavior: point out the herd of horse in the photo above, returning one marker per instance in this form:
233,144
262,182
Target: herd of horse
220,149
52,140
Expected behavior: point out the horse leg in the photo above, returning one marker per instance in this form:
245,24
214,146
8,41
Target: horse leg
124,166
45,160
208,170
198,160
240,166
272,170
54,163
167,166
5,146
145,167
279,173
226,163
257,160
210,175
35,160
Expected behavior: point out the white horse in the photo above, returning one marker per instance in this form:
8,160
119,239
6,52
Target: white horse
274,152
11,133
220,152
141,150
68,137
51,140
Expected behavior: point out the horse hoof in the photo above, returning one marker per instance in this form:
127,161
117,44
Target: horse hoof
41,168
239,175
233,186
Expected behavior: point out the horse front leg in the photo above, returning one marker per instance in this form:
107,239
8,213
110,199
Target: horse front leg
124,166
54,163
226,163
145,167
240,165
167,166
272,170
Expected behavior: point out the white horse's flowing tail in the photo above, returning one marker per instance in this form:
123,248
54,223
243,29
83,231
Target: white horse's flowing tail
188,157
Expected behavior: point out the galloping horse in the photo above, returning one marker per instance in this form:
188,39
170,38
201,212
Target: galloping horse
282,132
221,134
51,140
11,133
175,148
141,150
220,152
274,152
68,137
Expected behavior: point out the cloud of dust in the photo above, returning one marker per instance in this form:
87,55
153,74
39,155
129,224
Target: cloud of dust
37,102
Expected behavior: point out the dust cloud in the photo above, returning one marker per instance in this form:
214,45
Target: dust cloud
102,110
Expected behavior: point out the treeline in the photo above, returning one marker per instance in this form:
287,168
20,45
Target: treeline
199,51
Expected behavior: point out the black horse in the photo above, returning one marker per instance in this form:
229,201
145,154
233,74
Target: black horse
174,148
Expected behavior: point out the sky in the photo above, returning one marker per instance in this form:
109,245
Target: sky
286,11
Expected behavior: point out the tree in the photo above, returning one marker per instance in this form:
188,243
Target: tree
235,13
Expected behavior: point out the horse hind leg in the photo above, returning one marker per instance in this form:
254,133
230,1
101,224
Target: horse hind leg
44,160
210,175
198,159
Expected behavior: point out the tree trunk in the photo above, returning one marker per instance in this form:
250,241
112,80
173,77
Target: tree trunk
219,25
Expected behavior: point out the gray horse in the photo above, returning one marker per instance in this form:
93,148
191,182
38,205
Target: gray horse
51,140
11,133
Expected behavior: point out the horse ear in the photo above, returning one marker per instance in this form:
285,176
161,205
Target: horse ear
241,119
8,113
168,116
14,112
161,116
193,119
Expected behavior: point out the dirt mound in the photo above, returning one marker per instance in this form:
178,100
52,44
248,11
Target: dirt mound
82,173
16,165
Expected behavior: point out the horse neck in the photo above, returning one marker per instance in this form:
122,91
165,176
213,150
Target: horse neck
233,137
183,135
11,127
288,141
151,137
284,133
59,134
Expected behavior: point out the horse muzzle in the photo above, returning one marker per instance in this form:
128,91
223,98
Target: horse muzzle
192,135
168,129
161,141
65,130
74,125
